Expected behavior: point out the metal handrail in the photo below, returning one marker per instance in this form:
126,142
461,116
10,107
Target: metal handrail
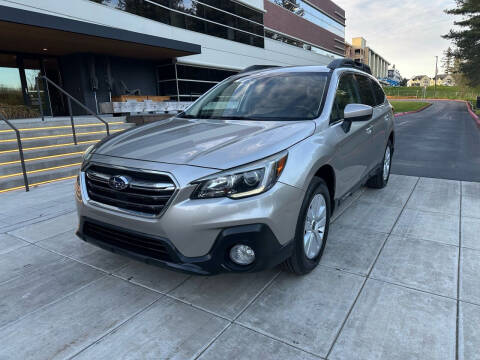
20,151
70,98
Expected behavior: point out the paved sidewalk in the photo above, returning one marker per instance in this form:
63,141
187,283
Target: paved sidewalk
401,264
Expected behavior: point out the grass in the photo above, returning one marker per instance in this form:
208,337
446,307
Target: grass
442,92
404,106
475,109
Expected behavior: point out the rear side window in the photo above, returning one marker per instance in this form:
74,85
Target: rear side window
366,90
379,94
347,93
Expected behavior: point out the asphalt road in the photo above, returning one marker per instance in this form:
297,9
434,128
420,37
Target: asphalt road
442,141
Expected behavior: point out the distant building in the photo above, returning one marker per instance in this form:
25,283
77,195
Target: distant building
359,51
419,80
394,74
443,80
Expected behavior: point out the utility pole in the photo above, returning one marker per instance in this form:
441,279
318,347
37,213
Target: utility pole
436,72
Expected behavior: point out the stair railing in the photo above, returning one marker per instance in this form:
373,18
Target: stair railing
20,150
70,98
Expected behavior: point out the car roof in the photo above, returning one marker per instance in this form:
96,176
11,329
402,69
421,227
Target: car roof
283,69
264,70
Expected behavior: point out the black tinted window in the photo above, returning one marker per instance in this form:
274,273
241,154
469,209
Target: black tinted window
379,94
366,91
347,93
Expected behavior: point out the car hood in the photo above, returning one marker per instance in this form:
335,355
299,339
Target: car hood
219,144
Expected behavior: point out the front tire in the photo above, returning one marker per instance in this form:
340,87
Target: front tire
312,229
380,179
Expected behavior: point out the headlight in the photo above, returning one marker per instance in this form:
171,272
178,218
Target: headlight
241,182
88,153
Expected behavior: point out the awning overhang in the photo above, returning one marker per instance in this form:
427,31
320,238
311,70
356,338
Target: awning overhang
23,31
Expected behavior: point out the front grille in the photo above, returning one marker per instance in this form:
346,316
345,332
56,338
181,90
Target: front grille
139,244
147,193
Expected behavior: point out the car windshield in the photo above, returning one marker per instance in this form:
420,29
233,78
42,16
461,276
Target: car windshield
271,96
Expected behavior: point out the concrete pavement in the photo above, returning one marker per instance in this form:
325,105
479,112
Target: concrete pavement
401,264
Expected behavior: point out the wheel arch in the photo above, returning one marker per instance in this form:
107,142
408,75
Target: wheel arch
327,173
391,138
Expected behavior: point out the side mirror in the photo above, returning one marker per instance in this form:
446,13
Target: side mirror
355,112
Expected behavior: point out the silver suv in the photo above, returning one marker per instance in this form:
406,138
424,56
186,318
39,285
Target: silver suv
246,178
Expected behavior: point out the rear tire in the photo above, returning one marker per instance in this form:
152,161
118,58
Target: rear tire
380,179
312,229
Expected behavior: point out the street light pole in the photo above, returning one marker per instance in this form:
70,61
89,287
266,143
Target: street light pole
436,72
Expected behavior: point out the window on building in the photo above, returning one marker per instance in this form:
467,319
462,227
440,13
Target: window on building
192,81
298,43
225,19
10,84
312,14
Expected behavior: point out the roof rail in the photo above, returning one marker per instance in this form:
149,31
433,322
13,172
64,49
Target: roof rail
257,67
349,63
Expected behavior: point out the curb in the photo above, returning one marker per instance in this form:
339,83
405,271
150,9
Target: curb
413,112
472,113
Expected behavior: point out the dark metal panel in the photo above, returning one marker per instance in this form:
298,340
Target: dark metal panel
10,14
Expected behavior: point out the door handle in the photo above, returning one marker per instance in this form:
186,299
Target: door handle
369,130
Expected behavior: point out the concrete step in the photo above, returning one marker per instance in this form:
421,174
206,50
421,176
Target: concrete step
50,154
60,130
9,170
38,178
43,152
59,121
43,141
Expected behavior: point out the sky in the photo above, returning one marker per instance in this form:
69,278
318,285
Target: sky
406,33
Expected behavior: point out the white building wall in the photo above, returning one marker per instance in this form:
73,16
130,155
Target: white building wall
216,52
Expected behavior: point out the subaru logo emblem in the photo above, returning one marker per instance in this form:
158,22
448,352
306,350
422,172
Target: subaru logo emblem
118,182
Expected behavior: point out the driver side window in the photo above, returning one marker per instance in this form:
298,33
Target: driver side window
347,93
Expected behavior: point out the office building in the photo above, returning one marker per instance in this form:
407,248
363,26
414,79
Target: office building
96,49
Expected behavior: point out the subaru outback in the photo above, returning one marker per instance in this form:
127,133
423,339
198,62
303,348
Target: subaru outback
246,178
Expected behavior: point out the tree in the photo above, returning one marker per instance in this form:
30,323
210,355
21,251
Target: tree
448,61
403,82
467,39
292,6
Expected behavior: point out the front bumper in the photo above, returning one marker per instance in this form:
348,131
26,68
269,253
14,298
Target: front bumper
197,233
162,252
193,226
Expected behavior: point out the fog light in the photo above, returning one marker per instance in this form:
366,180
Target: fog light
242,254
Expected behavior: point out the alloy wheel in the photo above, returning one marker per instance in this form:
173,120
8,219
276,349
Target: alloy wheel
387,163
314,230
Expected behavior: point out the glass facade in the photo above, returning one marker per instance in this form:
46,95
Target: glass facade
310,13
221,18
188,82
298,43
18,86
11,92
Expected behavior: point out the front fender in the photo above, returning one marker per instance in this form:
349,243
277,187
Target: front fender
305,159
